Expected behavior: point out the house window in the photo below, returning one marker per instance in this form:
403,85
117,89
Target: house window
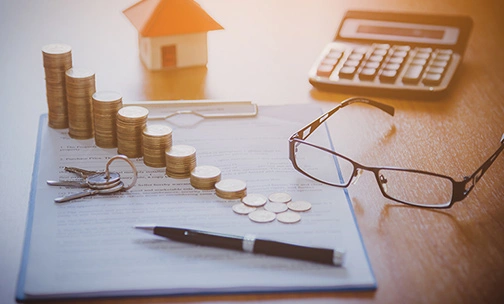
169,53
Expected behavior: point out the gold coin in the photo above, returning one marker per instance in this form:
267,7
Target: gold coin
79,73
157,130
279,197
231,185
241,208
107,96
262,216
180,151
254,200
132,112
56,49
299,206
288,217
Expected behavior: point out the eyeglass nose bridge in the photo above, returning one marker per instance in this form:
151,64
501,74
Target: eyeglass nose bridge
356,174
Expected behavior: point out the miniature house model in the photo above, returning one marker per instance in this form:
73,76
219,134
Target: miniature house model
171,33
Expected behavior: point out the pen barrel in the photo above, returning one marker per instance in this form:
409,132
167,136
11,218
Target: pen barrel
313,254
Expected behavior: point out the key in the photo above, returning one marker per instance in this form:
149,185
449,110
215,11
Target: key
88,192
95,181
82,172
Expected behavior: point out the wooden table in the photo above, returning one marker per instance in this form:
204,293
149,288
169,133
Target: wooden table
263,55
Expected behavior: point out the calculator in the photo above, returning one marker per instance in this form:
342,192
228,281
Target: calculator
391,53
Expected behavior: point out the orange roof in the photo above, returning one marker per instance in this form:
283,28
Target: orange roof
169,17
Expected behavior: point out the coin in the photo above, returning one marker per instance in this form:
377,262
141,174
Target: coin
156,140
288,217
262,216
205,177
105,107
231,189
279,197
275,207
254,200
241,208
299,206
130,122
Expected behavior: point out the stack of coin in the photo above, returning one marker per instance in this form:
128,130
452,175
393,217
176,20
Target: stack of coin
231,189
57,59
205,177
180,161
80,87
156,140
105,107
131,121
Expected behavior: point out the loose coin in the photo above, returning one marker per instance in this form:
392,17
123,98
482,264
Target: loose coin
288,217
241,208
262,216
254,200
279,197
276,207
299,206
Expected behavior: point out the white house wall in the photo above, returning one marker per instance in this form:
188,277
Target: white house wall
191,50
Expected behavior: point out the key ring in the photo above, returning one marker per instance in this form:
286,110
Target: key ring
126,159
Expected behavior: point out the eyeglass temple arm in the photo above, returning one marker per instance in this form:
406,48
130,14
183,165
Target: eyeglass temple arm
463,188
317,122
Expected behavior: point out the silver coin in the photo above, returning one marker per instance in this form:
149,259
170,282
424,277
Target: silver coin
276,207
231,185
288,217
280,197
299,206
241,208
262,216
254,200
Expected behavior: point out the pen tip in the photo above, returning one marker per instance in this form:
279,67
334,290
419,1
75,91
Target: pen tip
145,227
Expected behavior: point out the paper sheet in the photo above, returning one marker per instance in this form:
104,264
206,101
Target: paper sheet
88,247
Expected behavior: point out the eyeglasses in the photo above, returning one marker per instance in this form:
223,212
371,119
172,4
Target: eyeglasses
412,187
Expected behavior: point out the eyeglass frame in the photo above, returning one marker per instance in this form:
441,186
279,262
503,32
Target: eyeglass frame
460,189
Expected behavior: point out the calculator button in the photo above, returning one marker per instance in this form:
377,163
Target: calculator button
352,63
424,50
372,65
443,57
439,63
355,56
325,70
419,61
347,72
329,61
445,52
360,50
367,74
334,55
400,54
432,79
388,75
382,46
404,48
422,56
398,60
412,74
392,66
435,70
376,58
380,52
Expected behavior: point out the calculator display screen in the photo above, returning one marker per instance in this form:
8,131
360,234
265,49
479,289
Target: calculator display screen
398,31
392,31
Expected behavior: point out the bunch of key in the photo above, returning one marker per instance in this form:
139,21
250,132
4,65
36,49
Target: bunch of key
105,107
95,182
57,59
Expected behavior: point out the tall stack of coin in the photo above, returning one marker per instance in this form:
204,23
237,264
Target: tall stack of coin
156,140
57,59
231,189
180,161
105,107
205,177
131,121
80,87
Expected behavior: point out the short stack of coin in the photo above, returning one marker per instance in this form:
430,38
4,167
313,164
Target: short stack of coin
180,161
156,140
231,189
131,121
57,59
205,177
80,87
105,107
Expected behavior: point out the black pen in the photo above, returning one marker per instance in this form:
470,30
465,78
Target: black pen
249,243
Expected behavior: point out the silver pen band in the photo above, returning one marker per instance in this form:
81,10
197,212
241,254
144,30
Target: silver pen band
248,243
338,256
